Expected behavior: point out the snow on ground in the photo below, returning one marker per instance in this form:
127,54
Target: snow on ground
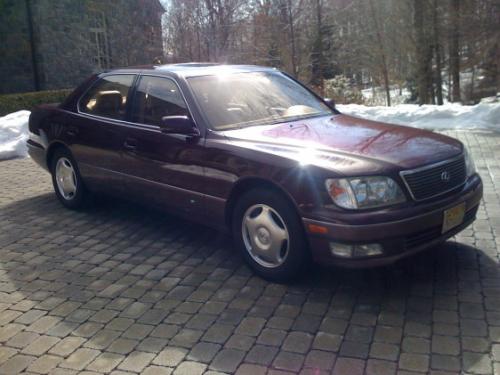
13,135
377,95
449,116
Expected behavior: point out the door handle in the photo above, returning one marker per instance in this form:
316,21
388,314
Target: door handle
130,144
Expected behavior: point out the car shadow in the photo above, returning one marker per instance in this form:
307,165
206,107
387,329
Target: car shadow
95,271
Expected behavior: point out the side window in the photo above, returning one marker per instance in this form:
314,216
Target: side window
108,97
155,98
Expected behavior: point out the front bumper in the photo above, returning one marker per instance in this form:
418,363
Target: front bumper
398,238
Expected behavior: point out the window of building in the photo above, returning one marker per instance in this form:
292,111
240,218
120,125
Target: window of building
155,98
151,36
108,97
99,39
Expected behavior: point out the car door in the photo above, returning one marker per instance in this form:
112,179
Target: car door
164,169
97,131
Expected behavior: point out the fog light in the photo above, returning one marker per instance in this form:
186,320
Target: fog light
367,250
353,251
341,250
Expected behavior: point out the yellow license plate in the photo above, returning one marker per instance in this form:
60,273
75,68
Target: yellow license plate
453,217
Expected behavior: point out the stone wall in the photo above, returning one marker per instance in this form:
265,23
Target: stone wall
16,71
61,40
65,51
137,41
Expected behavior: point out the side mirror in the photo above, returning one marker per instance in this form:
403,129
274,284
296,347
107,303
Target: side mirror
329,102
178,125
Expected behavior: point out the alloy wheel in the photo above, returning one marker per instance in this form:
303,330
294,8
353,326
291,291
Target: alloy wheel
265,235
66,178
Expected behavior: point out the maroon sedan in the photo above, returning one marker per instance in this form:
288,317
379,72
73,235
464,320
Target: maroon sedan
250,150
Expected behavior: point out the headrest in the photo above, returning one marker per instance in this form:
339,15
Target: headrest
108,101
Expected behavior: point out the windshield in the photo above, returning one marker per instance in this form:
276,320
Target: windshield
238,100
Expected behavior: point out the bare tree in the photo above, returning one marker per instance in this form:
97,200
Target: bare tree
381,52
423,45
454,50
437,53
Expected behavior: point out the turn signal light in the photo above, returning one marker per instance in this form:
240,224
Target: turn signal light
318,229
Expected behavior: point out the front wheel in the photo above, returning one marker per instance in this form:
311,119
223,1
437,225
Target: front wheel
269,234
68,184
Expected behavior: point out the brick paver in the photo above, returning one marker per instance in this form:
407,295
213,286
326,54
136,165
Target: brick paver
123,289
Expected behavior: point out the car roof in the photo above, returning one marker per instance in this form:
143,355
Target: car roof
194,69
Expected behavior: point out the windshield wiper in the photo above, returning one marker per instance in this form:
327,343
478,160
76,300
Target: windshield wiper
262,122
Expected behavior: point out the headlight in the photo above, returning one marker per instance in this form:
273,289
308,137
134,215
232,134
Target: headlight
470,167
364,192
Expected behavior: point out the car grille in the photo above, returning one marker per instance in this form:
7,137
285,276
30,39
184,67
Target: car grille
431,234
427,182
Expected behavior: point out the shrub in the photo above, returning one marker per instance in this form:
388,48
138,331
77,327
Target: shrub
342,91
28,100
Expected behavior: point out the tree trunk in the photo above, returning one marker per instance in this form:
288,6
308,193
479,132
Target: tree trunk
492,68
422,70
317,60
198,36
437,52
292,38
387,86
383,58
454,50
472,80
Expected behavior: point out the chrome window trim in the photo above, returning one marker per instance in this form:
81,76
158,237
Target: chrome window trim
134,86
120,122
402,174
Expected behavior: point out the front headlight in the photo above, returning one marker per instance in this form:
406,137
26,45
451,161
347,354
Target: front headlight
470,167
364,192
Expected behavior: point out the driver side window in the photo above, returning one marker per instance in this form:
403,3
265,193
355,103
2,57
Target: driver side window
155,98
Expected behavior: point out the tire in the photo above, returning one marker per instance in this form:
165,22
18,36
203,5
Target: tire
70,189
269,234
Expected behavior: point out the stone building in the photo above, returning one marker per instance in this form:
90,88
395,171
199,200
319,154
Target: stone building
52,44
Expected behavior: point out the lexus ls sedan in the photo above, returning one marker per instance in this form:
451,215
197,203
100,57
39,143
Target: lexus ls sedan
251,151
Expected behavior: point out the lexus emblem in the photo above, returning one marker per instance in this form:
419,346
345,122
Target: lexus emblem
445,176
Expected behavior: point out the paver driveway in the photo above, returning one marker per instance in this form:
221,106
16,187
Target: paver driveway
130,290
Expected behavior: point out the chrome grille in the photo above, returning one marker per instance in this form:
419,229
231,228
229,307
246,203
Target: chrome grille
437,179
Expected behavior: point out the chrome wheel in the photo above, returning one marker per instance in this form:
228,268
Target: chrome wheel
65,178
265,236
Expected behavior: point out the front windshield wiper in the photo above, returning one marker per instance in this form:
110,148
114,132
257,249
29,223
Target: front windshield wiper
263,122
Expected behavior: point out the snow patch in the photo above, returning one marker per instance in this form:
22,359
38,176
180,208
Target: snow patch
377,96
445,117
13,135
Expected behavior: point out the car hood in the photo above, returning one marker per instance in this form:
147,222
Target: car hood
345,142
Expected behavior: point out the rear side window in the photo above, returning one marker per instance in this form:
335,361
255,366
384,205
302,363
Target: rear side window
155,98
108,97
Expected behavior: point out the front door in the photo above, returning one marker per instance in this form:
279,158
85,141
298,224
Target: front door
165,169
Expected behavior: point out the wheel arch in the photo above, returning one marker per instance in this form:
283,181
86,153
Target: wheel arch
248,183
56,145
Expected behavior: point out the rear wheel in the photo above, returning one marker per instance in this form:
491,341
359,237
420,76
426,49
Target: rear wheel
269,234
68,184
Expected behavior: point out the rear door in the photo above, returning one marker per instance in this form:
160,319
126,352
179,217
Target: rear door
98,131
165,169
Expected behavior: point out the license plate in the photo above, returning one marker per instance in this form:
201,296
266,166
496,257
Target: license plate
453,217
